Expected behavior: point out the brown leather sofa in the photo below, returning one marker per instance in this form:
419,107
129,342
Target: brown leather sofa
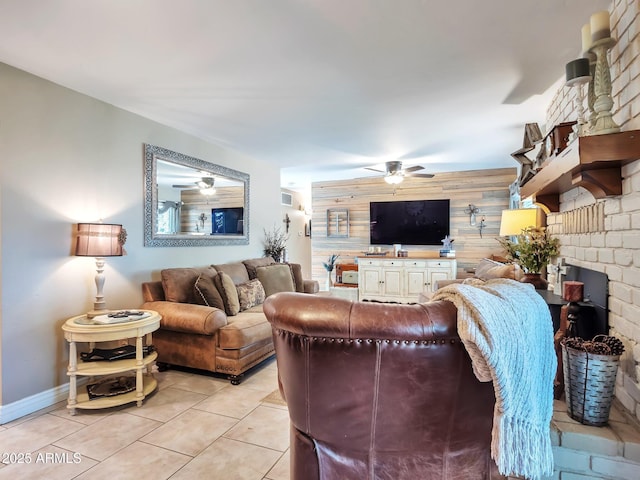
379,391
202,327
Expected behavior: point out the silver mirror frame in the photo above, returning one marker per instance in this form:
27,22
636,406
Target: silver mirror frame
152,239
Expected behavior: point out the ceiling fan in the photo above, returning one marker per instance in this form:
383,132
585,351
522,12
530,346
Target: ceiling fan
205,185
394,172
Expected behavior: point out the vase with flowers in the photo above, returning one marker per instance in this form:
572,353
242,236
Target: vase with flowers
275,244
532,249
328,266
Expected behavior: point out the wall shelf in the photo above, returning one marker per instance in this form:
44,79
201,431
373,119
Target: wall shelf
593,162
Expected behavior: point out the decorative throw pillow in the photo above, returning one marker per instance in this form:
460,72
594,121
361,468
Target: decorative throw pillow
236,270
276,278
254,263
206,293
228,292
296,271
250,294
488,269
177,283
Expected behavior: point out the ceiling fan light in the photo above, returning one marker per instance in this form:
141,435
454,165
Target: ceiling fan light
393,179
206,182
208,191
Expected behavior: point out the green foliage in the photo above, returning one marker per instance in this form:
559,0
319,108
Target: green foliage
275,243
532,249
330,263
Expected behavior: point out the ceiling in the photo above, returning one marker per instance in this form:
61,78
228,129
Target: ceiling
319,88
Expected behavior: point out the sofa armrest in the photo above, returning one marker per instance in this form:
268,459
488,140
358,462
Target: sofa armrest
188,318
311,286
444,283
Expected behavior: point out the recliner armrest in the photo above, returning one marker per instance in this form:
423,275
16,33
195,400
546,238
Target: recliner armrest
188,318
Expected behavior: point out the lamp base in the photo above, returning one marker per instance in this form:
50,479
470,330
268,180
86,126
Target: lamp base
94,313
536,280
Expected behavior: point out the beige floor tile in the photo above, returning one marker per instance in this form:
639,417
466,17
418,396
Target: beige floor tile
191,432
281,470
50,463
109,435
200,384
267,427
165,404
86,417
233,401
265,380
36,433
139,461
179,421
169,377
229,460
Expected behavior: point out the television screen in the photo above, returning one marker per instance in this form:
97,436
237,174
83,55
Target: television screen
227,221
412,222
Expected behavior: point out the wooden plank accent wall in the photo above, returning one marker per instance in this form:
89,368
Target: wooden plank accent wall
195,204
486,189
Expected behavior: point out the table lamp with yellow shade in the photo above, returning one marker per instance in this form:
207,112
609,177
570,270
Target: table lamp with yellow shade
527,243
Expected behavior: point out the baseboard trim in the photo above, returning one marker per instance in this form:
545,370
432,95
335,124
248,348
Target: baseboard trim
28,405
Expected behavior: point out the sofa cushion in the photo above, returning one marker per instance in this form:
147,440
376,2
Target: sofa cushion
244,329
296,271
488,269
236,270
276,278
226,287
250,294
254,263
177,283
206,293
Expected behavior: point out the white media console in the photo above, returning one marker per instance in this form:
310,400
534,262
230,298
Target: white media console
398,279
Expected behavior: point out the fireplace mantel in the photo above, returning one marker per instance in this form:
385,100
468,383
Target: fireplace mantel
593,162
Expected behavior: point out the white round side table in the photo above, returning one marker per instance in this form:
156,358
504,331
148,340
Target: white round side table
83,329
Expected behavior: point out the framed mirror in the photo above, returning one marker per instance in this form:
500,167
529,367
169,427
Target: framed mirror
191,202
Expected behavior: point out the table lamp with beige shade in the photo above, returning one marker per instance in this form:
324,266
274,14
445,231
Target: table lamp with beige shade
99,240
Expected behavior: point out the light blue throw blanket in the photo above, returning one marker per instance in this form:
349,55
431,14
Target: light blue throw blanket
507,330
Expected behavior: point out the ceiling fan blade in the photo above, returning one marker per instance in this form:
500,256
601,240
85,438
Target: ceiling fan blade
420,175
415,168
374,170
182,186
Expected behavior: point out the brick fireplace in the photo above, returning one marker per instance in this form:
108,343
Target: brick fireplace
614,251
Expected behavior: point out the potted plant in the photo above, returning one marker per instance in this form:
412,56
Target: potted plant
532,249
275,243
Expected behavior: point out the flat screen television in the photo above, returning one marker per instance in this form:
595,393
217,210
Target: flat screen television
410,222
227,221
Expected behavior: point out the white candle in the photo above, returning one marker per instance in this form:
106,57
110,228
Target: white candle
600,27
586,38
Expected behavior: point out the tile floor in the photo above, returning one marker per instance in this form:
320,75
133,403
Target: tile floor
194,426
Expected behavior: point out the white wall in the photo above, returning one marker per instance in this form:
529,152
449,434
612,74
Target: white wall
298,245
68,158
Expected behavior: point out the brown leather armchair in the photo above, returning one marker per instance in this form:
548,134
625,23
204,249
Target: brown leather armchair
379,391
